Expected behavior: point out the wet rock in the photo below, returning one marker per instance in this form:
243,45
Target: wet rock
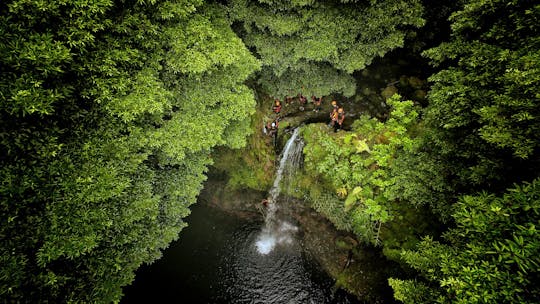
403,81
243,203
402,62
415,82
420,95
389,91
345,242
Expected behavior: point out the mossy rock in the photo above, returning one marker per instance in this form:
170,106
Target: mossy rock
403,81
420,95
345,243
416,82
389,91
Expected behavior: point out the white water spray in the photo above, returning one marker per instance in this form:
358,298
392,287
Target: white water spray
280,232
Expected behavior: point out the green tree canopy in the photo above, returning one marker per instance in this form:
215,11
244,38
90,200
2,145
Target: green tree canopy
315,46
483,118
109,112
492,255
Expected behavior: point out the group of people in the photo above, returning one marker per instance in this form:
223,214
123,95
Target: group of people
337,115
302,100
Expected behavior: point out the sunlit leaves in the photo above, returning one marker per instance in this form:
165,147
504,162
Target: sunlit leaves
360,164
147,95
314,47
110,117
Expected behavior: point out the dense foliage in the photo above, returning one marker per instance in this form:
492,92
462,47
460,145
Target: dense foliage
315,46
491,256
482,121
477,138
481,131
357,165
109,111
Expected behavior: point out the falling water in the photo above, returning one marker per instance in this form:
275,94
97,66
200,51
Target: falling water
278,231
291,156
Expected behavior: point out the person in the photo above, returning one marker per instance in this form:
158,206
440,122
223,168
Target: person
268,128
265,202
333,118
273,130
277,106
316,103
340,119
302,100
333,113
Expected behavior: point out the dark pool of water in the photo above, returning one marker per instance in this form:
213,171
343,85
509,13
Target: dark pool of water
216,260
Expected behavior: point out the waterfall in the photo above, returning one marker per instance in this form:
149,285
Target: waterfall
292,154
277,231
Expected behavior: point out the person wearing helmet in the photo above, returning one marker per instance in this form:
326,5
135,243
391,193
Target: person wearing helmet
274,131
334,105
277,106
334,114
271,128
340,119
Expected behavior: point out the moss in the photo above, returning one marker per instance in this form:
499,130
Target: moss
345,243
416,82
252,166
389,91
365,275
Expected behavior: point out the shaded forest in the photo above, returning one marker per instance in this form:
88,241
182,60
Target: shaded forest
112,111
